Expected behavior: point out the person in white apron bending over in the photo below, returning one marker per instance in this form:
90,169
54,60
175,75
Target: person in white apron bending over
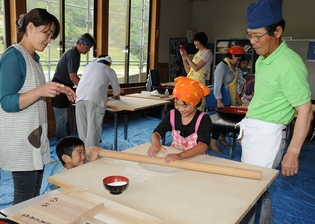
199,67
281,90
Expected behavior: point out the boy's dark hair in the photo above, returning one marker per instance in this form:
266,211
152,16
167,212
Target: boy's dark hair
66,145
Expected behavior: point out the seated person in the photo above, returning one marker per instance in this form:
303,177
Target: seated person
190,127
71,153
243,66
249,90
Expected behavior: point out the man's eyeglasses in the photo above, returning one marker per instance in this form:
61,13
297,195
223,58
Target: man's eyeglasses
254,38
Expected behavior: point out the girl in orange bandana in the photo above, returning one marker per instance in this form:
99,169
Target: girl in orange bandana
190,127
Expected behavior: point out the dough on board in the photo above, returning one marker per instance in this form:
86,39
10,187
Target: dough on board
159,168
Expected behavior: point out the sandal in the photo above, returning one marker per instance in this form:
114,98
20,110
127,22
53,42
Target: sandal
216,149
224,143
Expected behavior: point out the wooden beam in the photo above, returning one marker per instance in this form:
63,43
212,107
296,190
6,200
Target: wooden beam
154,34
17,7
101,27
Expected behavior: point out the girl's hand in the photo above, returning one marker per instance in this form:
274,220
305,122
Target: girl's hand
153,150
171,157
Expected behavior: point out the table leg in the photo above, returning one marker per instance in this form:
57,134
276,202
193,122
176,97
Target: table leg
125,125
115,130
258,209
74,120
163,109
233,146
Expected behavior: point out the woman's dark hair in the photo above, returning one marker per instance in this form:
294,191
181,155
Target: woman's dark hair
272,28
201,37
66,145
39,17
229,55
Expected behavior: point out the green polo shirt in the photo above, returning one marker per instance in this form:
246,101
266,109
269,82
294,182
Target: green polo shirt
280,85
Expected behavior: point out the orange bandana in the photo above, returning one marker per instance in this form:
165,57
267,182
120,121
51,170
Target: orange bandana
189,90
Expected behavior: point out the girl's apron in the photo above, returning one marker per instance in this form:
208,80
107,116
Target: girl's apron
179,141
199,76
232,85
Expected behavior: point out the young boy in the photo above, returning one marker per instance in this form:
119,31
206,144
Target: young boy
71,153
190,127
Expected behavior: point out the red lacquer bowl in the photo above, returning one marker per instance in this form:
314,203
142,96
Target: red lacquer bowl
116,184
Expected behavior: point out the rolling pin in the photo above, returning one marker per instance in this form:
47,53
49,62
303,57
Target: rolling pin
195,166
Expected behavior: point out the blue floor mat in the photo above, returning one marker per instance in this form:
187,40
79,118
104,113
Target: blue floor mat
293,198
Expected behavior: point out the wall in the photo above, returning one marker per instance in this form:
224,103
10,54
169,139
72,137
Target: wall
175,20
227,18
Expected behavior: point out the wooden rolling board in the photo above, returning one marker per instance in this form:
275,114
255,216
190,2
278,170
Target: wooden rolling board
113,213
174,196
133,103
59,208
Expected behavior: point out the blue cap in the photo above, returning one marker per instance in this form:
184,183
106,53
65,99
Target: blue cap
263,13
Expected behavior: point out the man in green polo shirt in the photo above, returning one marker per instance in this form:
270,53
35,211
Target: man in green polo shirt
281,90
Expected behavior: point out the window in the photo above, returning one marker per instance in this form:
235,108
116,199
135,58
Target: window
128,39
2,29
50,56
78,20
127,35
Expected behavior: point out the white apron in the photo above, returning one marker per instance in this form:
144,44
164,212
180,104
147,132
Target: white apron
263,143
23,135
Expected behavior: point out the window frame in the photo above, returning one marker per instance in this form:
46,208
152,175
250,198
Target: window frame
99,30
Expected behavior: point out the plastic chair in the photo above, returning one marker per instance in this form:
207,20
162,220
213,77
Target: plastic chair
211,101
